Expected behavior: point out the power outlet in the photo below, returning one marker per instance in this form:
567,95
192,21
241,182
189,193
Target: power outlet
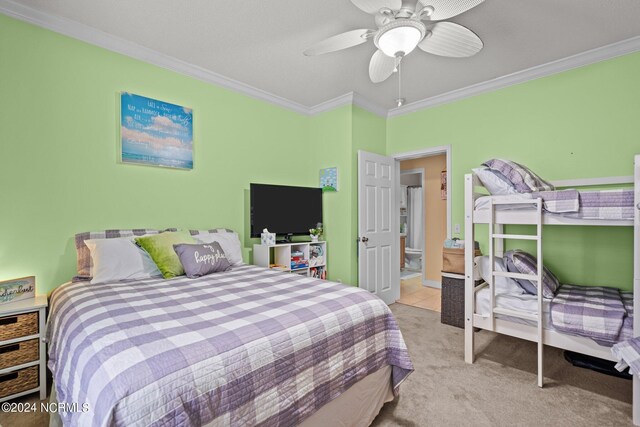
456,229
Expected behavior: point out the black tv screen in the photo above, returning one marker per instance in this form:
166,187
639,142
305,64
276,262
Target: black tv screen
284,210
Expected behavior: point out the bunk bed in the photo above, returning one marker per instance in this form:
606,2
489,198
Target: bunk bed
528,317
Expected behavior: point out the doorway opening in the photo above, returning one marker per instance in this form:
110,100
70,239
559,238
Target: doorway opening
424,212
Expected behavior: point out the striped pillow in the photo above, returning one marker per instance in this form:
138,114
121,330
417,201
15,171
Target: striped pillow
84,263
213,230
522,178
519,261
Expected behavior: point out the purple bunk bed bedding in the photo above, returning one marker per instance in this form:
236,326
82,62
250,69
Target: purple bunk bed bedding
602,314
590,204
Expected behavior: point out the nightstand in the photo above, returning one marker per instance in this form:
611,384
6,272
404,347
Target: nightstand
22,349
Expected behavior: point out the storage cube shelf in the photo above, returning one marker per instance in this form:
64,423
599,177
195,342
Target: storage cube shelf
304,258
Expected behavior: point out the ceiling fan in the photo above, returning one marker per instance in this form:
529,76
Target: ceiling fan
403,26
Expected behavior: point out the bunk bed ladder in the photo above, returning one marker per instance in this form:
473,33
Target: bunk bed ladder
501,236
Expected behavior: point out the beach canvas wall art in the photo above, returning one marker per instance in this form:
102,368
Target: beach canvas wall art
155,133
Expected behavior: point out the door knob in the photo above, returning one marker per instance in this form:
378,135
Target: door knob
364,239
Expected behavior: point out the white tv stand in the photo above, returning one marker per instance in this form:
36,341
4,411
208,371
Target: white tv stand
278,257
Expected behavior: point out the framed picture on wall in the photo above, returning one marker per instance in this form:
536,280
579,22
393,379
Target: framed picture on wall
329,179
443,185
155,133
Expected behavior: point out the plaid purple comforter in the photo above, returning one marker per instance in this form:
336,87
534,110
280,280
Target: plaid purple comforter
247,347
593,312
596,204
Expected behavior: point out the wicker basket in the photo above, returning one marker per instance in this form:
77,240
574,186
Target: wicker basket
18,381
19,325
18,353
452,310
453,259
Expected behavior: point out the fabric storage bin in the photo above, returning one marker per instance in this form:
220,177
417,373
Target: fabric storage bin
19,325
453,259
19,353
19,381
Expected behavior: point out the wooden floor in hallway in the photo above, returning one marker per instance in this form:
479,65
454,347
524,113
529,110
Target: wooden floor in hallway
413,293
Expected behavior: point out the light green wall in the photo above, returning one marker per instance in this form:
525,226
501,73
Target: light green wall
59,173
330,137
339,134
582,123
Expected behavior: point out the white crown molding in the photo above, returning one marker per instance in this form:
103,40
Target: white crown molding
110,42
588,57
350,98
332,104
370,106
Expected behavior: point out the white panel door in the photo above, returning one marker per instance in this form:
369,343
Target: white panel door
378,234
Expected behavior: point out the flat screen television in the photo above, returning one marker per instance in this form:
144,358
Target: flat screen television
284,210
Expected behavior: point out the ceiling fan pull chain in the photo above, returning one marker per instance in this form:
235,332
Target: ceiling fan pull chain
400,101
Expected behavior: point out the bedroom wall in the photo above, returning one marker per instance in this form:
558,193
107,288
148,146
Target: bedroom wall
330,135
581,123
59,173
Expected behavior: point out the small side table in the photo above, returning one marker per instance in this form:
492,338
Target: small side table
22,349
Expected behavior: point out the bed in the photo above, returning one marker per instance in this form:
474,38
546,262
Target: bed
251,346
603,207
520,197
527,303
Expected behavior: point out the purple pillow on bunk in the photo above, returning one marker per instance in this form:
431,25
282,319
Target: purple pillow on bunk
523,179
519,261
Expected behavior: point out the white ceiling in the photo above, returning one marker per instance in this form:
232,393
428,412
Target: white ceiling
260,42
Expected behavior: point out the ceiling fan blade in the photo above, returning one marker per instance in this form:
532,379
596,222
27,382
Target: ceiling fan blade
338,42
374,6
449,39
445,9
381,67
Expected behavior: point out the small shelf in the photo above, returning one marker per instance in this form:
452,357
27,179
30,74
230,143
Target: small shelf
282,254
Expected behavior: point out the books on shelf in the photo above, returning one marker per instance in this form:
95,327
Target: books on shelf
318,272
303,263
278,267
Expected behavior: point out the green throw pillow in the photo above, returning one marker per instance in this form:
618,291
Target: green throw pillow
160,249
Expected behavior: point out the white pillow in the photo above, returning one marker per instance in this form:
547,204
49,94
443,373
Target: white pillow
230,243
503,285
119,259
494,183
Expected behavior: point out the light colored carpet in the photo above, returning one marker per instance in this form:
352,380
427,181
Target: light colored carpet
498,390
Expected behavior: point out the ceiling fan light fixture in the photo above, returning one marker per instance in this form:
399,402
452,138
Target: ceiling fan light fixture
399,38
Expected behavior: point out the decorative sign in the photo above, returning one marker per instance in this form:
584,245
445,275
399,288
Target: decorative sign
443,185
155,133
329,179
17,289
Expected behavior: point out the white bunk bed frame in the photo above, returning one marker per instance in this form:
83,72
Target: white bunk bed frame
496,219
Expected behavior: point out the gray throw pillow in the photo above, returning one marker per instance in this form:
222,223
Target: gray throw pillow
201,259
